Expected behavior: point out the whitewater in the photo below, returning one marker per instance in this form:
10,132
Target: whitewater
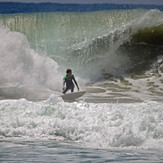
115,55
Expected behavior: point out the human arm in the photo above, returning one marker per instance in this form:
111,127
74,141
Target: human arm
63,84
76,83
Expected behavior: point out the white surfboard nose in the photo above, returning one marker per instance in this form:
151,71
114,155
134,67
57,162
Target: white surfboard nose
70,97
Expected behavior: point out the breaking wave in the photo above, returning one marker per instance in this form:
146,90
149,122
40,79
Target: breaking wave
37,48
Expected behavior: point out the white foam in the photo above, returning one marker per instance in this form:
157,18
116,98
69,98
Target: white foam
22,69
95,125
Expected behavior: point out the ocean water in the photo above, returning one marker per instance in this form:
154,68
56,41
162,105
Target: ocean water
115,55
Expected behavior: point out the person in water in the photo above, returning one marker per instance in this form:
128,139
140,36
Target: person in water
69,79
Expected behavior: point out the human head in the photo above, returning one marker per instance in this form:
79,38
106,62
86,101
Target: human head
69,71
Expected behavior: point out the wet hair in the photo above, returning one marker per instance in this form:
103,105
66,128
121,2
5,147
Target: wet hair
68,71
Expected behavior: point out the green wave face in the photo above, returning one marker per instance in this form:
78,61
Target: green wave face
151,36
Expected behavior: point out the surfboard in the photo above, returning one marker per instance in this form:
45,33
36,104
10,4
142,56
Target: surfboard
71,97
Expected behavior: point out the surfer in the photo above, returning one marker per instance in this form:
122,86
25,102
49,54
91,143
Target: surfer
68,79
